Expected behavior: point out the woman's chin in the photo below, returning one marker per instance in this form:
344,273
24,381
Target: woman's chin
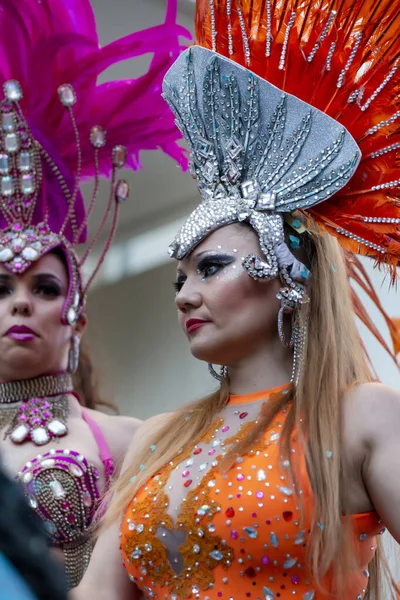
206,353
23,363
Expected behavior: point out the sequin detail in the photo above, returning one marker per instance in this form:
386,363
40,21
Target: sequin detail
61,486
230,534
199,553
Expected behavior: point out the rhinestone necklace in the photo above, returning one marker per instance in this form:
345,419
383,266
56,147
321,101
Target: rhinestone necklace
35,409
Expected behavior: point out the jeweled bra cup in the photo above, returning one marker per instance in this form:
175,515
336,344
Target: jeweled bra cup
62,489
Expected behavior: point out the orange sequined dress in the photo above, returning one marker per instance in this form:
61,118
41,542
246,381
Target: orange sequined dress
195,532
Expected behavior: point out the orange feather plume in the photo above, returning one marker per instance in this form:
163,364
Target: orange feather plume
342,57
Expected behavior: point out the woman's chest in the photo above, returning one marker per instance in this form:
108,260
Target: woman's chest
255,503
198,525
62,481
78,439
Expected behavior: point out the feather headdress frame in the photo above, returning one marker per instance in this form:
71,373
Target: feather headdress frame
59,127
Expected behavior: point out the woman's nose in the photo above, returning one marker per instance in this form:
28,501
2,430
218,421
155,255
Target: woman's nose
188,297
21,307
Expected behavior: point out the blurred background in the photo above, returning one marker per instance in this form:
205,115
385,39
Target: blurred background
143,357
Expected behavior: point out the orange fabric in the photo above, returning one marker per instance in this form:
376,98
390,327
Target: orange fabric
247,398
243,533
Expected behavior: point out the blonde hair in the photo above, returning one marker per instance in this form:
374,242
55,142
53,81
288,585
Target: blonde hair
315,408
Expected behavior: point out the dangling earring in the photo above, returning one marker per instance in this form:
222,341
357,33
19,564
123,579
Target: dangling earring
300,332
218,376
292,297
73,357
282,311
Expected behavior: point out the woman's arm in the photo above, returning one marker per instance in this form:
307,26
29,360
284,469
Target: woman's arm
106,577
118,432
378,407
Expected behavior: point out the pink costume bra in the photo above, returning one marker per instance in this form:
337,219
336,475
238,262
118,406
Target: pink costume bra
61,487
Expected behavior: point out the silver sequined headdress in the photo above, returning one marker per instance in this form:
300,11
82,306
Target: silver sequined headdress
257,153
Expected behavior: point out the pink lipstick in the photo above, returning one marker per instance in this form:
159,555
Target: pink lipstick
21,333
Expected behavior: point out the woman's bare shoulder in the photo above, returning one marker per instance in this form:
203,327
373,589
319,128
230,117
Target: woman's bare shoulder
114,421
374,422
371,409
118,431
371,394
146,433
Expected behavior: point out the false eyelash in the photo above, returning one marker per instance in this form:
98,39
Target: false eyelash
177,285
219,261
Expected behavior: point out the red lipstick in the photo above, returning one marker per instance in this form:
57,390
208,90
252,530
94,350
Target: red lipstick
193,324
21,333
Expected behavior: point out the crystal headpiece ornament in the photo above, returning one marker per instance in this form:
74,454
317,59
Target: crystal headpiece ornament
58,127
291,111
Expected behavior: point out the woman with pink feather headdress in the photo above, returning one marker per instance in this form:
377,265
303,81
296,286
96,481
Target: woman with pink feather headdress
58,127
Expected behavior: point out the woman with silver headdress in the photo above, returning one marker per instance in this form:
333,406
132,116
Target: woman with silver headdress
280,483
51,136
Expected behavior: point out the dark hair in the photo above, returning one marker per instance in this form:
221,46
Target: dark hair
24,544
86,383
85,379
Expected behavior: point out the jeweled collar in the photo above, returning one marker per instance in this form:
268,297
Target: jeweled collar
38,387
